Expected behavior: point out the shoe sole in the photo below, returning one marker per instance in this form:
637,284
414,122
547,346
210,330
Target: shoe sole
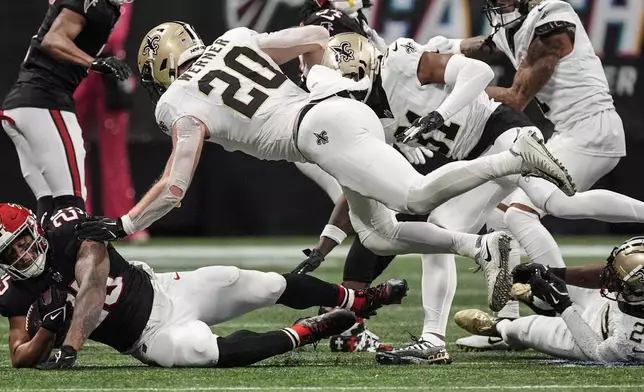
388,359
481,349
557,174
503,283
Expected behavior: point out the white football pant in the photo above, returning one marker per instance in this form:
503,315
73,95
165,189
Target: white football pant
187,303
50,149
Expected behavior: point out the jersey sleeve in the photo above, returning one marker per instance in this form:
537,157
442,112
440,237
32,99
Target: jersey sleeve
61,234
176,103
14,300
336,22
404,56
555,16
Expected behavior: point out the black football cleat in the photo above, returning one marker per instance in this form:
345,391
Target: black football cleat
326,325
418,353
386,293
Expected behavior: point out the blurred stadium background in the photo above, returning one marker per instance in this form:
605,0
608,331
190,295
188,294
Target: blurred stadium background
236,195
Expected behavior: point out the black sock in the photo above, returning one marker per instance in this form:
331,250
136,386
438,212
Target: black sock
304,291
360,263
243,348
381,264
69,201
45,206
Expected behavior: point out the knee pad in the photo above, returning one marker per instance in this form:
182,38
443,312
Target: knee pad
189,344
515,218
265,287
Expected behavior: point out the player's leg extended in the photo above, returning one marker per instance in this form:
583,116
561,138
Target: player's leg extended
192,344
220,293
30,170
350,146
323,179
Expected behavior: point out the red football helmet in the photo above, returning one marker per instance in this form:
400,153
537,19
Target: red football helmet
23,246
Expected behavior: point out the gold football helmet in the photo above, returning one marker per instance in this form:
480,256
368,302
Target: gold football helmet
353,56
164,49
624,273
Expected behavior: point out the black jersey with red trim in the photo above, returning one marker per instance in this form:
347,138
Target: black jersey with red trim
129,295
336,22
45,82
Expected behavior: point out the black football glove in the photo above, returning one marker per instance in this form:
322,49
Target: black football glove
420,129
64,358
522,273
52,305
111,65
313,260
551,289
100,228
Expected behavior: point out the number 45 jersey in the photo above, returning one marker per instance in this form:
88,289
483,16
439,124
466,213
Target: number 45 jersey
410,100
241,95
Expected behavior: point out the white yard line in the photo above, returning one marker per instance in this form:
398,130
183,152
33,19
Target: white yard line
351,388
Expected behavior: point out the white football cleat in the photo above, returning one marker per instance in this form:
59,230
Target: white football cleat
492,258
539,162
482,343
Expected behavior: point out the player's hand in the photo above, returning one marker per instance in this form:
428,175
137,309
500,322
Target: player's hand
64,358
52,306
551,289
313,260
100,228
522,273
111,65
420,130
440,44
415,155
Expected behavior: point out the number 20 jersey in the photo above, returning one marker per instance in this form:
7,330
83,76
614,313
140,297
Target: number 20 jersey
242,97
409,100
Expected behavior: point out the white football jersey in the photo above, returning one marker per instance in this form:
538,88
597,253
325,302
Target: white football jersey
578,88
409,100
241,95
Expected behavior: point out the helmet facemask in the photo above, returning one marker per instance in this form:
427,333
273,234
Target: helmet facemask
23,253
508,14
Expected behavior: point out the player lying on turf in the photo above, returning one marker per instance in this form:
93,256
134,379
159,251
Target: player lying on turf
235,95
591,325
160,319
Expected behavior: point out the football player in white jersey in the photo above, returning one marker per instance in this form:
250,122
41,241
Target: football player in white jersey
592,326
557,66
234,94
483,127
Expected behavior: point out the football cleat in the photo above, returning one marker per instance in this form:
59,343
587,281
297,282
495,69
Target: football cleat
477,322
493,256
387,293
420,352
365,341
539,162
326,325
482,343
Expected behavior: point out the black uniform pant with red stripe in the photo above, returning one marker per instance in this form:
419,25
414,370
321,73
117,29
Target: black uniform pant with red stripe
50,149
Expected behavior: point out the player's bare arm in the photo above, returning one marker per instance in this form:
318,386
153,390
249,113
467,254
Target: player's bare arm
91,271
27,352
480,48
59,41
535,70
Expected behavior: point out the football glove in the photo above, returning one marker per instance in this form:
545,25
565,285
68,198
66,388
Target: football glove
522,273
100,228
52,305
415,155
313,260
551,289
64,358
111,65
419,131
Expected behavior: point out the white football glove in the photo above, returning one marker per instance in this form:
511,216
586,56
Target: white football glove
443,45
375,39
349,8
415,155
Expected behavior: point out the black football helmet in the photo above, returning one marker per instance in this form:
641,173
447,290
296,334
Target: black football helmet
508,13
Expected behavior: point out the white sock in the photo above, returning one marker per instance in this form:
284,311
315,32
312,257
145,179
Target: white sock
598,204
438,287
457,178
433,339
534,238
